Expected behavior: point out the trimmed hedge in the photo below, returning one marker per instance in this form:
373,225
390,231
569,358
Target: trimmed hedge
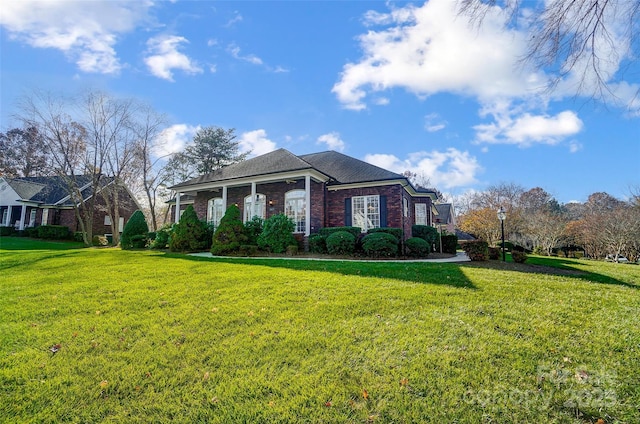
449,243
425,232
417,247
135,233
6,231
341,243
477,250
53,232
327,231
380,244
317,243
494,253
396,232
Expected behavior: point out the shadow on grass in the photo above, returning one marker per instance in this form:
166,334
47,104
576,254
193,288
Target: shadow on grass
416,272
25,243
554,266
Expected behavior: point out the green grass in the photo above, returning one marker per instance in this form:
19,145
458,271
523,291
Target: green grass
154,337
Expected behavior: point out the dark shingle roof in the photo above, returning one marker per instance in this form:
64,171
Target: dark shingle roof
444,212
51,189
345,169
280,160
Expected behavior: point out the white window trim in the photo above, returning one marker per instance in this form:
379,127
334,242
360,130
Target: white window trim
299,216
44,220
32,217
366,220
214,216
249,210
420,214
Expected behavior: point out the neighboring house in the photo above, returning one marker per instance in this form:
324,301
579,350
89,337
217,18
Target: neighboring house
444,220
32,201
327,189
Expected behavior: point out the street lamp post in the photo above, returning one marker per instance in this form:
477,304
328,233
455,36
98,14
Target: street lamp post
502,215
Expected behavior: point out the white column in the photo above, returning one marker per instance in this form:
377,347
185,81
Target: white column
177,218
307,205
9,215
224,199
253,200
23,216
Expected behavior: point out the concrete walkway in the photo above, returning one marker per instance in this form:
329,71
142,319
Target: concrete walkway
460,257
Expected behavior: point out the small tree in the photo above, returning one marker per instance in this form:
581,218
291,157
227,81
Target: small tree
230,234
135,232
277,234
189,234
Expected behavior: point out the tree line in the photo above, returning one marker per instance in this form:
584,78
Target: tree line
601,226
116,143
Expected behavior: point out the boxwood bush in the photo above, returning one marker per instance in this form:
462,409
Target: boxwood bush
6,231
162,237
417,247
327,231
341,243
277,234
53,232
396,232
380,244
317,243
425,232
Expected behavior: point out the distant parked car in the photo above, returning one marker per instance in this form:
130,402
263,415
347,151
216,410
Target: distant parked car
619,259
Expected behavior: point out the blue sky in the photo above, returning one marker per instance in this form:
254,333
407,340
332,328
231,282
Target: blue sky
406,86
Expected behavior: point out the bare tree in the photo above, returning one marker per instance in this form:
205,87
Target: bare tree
588,38
148,128
109,124
70,158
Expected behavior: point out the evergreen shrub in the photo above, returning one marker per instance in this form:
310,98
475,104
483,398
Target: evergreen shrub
277,234
519,257
162,237
341,243
53,232
380,244
327,231
477,250
230,234
449,243
190,234
425,232
417,247
317,243
135,232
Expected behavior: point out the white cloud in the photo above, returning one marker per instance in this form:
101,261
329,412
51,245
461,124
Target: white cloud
236,18
164,57
174,138
332,140
574,147
527,129
256,142
448,169
434,123
234,50
85,31
418,53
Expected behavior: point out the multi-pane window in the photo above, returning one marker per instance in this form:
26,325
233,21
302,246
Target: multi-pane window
295,209
259,210
421,214
215,211
366,212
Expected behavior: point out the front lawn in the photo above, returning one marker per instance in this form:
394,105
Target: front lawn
91,335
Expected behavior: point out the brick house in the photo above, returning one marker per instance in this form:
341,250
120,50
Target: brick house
326,189
32,201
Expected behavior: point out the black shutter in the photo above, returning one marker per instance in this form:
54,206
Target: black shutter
383,211
347,212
